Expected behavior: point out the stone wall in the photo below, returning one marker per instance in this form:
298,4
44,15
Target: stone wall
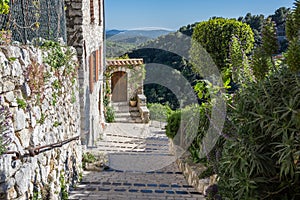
190,170
85,32
44,104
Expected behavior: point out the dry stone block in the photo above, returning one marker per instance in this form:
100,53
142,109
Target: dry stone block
9,97
20,120
16,69
24,136
8,86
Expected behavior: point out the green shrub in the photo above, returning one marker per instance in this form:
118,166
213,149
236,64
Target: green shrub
185,122
159,112
261,160
173,124
63,186
88,158
110,114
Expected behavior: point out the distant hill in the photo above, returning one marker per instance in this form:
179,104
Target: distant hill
124,34
122,41
110,33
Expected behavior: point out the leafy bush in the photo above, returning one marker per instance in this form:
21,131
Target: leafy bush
173,124
110,114
88,158
159,112
188,120
215,35
262,159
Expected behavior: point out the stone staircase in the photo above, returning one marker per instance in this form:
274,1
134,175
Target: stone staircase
126,114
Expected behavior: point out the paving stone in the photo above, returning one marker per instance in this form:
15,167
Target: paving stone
161,184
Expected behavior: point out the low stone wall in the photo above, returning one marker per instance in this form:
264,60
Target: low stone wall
43,102
191,171
142,106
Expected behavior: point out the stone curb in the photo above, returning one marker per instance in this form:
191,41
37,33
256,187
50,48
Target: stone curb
190,172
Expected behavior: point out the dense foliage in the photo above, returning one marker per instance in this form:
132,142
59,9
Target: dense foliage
262,58
159,112
293,35
158,94
4,6
261,160
258,156
191,122
153,52
215,35
256,23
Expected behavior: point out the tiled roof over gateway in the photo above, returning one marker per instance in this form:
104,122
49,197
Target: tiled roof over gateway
124,62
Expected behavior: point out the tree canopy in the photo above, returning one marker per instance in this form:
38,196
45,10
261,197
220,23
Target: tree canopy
215,35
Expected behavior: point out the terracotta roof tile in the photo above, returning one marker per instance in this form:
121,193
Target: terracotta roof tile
124,62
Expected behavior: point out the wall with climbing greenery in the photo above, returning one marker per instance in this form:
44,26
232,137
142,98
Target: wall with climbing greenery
39,103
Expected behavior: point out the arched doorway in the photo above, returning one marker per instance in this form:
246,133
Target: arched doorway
119,86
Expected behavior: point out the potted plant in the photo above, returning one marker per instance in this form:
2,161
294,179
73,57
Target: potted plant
133,101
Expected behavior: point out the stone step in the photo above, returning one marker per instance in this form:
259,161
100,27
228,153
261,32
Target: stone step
121,109
126,114
128,120
133,148
122,114
123,103
124,149
135,114
133,109
122,136
135,142
123,120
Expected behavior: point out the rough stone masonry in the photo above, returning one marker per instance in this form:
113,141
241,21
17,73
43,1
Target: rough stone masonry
44,104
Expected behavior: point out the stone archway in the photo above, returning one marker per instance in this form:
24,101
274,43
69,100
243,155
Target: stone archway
119,86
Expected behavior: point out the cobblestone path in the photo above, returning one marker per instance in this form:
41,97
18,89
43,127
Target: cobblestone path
141,167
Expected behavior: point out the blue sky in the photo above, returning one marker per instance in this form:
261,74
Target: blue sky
172,14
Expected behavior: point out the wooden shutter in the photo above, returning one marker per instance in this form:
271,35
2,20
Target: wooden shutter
92,14
91,71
